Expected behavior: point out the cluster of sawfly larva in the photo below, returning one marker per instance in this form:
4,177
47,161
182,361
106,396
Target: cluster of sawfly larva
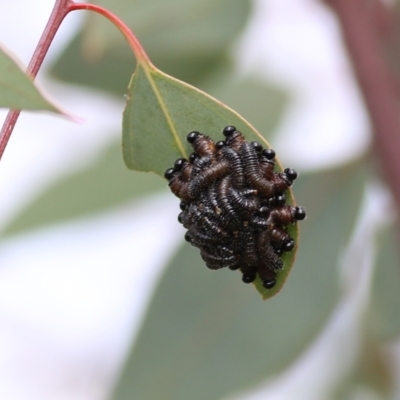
233,204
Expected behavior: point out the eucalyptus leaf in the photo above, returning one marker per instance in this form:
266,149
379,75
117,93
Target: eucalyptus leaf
257,101
384,316
100,186
206,335
185,38
160,112
17,89
194,26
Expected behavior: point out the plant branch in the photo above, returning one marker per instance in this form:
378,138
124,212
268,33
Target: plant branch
60,10
376,82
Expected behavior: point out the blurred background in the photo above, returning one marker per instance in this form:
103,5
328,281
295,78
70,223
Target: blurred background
99,296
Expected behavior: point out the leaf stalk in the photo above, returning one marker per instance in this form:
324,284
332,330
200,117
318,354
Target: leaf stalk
361,35
60,11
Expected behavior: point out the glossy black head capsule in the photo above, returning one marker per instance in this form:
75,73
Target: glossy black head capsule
289,245
269,154
169,173
248,278
257,146
219,145
192,157
290,173
280,200
277,201
228,130
191,137
269,283
182,205
179,163
299,213
188,238
288,181
264,210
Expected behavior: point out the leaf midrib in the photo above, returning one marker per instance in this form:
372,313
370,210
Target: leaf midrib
164,109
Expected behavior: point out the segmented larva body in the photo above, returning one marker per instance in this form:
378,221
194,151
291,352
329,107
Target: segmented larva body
233,204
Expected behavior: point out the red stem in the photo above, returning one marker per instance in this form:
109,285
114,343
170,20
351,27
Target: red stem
60,10
376,82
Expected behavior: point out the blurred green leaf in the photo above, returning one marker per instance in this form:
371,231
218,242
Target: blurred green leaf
384,315
206,335
185,38
255,100
193,25
17,90
102,185
110,73
160,112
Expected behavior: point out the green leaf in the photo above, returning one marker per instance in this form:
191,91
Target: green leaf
160,111
159,114
17,90
257,101
193,25
384,315
184,38
207,336
97,187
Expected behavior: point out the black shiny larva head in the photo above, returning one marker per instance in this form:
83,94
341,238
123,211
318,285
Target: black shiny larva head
288,181
257,146
290,173
277,201
182,205
219,145
289,245
191,137
248,278
179,163
269,283
264,210
169,173
299,213
280,200
180,217
228,130
188,238
269,154
192,157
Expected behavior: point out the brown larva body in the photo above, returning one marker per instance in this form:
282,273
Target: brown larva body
233,204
